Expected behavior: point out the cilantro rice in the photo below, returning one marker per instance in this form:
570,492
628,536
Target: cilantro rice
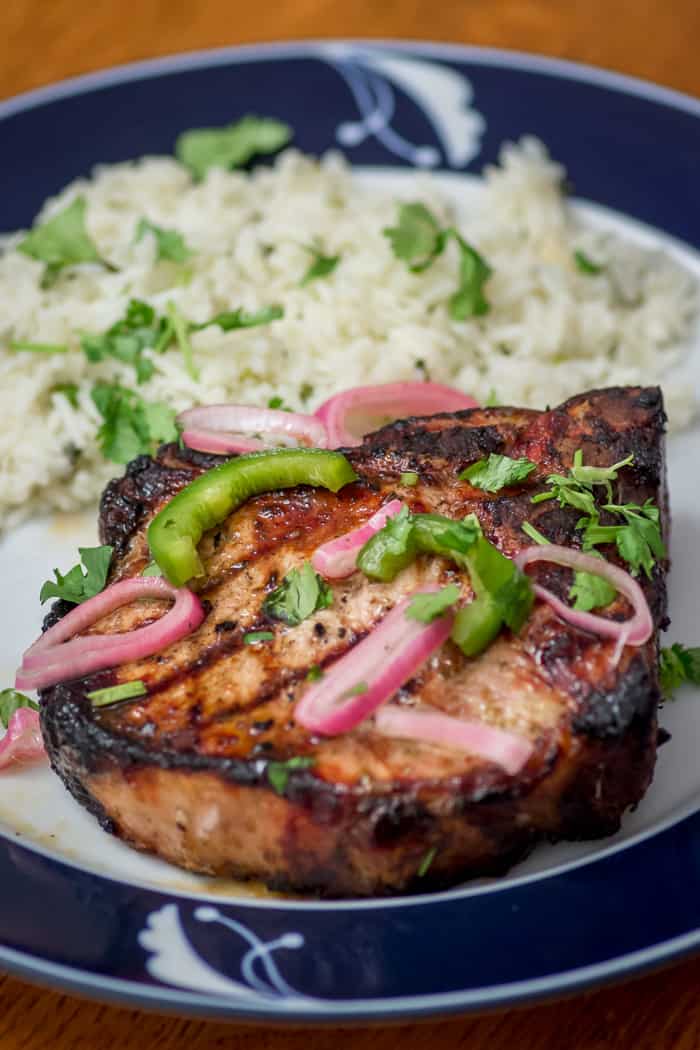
555,326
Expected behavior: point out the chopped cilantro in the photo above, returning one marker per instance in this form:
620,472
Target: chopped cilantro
301,594
69,391
418,240
427,607
253,637
359,689
321,265
638,541
278,402
305,391
409,478
678,665
39,348
114,693
534,534
586,264
77,586
62,241
278,772
139,329
495,472
426,862
181,330
589,591
170,244
492,401
11,701
131,426
231,146
314,673
230,320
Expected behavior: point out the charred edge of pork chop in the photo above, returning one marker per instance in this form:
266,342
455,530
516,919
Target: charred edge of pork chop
342,840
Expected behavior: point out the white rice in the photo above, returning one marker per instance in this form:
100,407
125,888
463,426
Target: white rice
551,332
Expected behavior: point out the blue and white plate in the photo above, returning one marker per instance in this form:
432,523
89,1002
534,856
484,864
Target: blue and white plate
81,910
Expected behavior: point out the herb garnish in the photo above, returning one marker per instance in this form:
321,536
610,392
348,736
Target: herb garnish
139,329
181,328
427,607
588,590
534,534
359,689
278,772
11,701
409,478
170,244
426,862
320,266
77,586
586,264
314,673
69,391
253,637
230,320
114,693
277,402
39,348
132,426
495,472
301,594
231,146
62,241
419,239
678,664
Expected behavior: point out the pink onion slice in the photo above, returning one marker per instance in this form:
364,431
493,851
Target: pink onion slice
338,558
223,428
350,415
635,631
54,658
390,654
508,750
22,741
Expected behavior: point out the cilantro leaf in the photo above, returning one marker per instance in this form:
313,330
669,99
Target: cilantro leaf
678,664
425,863
62,241
427,607
534,534
277,402
11,701
230,320
358,689
131,426
181,330
314,674
321,265
253,637
301,594
39,348
77,586
586,265
495,472
170,244
140,329
639,541
69,391
278,772
591,592
113,693
417,238
231,146
409,478
469,299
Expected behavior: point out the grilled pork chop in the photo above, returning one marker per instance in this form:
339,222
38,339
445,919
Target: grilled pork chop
185,771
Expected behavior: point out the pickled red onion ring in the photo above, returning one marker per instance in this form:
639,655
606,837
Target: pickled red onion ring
337,558
22,741
508,750
635,631
350,415
372,671
224,428
57,655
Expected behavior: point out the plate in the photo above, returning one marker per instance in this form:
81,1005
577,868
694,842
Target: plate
85,912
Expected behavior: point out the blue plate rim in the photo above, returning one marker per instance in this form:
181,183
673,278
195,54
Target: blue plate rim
121,990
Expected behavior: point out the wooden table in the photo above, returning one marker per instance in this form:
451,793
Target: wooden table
46,40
